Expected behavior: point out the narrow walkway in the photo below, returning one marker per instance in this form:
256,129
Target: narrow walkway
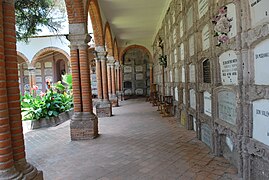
136,143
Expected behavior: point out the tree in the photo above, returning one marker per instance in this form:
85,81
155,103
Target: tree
33,15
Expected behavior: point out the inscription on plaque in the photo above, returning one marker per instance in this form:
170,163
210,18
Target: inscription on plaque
38,71
192,73
176,93
191,45
176,75
26,72
192,99
206,71
182,74
139,76
228,68
207,103
182,54
128,92
261,63
171,76
189,18
231,14
259,11
127,69
181,28
261,121
139,91
206,37
38,79
139,68
202,7
48,64
227,107
175,55
206,134
37,65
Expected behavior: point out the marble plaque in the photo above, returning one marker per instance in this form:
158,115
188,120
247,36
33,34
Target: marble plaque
206,71
139,68
191,45
259,11
207,103
127,69
176,93
171,76
192,72
182,52
38,65
139,76
184,96
127,77
202,7
229,143
183,118
189,18
181,28
228,68
128,92
175,55
206,134
261,121
206,37
231,14
139,91
194,123
48,71
261,63
227,107
48,64
182,74
176,75
38,72
26,72
38,79
192,99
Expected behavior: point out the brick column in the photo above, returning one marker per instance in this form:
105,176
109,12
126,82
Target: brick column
11,135
111,79
83,124
103,106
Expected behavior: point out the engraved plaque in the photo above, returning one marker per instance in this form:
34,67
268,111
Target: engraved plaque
191,45
48,64
38,79
192,73
139,76
38,65
181,28
227,107
184,96
182,74
189,18
128,92
202,7
127,77
231,14
38,72
206,71
139,68
207,103
192,99
228,68
139,91
206,134
127,69
259,11
206,37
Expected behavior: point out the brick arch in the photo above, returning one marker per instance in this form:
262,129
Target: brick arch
75,11
95,15
44,50
134,47
108,40
116,50
21,55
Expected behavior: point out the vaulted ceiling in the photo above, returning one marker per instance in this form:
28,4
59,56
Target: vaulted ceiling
134,21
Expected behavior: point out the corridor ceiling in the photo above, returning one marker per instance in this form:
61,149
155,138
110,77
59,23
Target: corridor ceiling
134,21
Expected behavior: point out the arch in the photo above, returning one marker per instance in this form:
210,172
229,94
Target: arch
21,55
75,11
116,50
95,15
108,40
133,47
48,49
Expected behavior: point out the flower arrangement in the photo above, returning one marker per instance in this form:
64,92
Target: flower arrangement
163,60
222,25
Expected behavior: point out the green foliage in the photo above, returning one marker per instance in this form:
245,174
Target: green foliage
46,105
67,79
31,15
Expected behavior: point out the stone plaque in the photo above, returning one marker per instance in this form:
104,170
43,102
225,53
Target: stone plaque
181,28
202,7
228,68
182,53
175,55
207,103
182,74
176,75
192,99
127,77
176,93
48,71
206,37
183,118
26,72
184,96
231,14
189,18
127,69
229,143
192,72
206,71
140,84
139,68
38,72
139,76
128,92
25,79
139,92
194,123
37,65
48,64
261,121
227,107
171,76
191,45
259,11
206,134
261,63
38,79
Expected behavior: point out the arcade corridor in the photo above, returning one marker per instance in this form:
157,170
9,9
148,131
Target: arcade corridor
135,143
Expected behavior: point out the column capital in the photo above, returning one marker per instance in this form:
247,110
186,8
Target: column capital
79,40
110,60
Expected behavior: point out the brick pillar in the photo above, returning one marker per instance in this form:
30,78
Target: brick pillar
83,124
103,106
11,135
109,80
99,78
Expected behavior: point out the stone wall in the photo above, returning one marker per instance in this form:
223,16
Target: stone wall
217,73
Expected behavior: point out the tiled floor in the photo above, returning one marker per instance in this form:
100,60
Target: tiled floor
136,143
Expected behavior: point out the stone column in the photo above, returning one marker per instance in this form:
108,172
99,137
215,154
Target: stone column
83,124
111,81
99,79
103,106
13,164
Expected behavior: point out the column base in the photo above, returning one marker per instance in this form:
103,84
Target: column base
114,100
83,126
120,95
104,108
28,171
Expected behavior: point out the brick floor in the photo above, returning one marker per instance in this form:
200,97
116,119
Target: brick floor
135,143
